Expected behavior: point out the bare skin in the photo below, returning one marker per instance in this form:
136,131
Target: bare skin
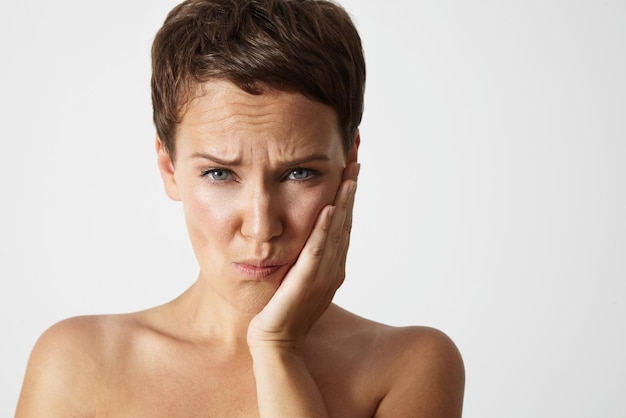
269,212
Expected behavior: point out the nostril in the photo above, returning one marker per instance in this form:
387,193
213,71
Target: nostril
261,220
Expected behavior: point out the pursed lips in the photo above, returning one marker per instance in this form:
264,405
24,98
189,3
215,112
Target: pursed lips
258,269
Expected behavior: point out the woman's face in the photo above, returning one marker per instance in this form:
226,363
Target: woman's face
253,173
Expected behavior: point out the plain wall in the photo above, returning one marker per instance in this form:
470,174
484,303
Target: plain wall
491,199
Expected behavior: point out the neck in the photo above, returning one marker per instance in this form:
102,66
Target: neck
203,313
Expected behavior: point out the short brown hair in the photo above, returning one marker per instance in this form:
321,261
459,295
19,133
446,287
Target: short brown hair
308,46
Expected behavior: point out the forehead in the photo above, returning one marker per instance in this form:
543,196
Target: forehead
224,117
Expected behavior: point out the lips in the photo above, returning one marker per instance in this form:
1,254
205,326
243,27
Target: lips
258,270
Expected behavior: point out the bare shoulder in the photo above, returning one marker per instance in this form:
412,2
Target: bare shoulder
426,373
65,364
419,370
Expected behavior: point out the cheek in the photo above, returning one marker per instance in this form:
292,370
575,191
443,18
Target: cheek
304,209
207,216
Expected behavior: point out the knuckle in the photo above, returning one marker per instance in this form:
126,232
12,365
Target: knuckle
316,251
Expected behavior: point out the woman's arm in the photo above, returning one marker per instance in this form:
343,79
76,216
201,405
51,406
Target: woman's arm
276,335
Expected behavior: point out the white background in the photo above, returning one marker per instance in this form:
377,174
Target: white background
491,201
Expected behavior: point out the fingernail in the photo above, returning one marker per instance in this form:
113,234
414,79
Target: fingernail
356,170
351,187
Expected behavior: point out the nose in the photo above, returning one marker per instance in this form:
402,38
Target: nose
261,217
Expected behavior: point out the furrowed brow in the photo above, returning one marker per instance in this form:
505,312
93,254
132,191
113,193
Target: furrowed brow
237,161
217,160
305,160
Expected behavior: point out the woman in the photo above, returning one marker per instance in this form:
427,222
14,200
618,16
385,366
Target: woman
257,106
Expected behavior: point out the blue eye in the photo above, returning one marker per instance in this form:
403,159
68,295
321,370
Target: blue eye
300,174
217,174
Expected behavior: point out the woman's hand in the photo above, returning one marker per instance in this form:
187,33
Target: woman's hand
276,335
310,285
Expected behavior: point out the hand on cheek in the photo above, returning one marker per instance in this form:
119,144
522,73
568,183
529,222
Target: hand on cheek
309,286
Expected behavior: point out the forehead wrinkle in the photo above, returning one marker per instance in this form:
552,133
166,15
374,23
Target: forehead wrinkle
287,143
241,119
281,154
229,123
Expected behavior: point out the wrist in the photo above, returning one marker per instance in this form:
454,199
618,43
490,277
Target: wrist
285,386
276,349
277,361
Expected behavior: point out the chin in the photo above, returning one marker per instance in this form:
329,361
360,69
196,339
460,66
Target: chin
253,299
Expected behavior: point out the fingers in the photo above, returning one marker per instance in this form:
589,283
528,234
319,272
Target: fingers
352,173
310,284
334,223
324,254
308,264
323,258
332,264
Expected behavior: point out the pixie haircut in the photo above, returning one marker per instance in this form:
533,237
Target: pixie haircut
307,46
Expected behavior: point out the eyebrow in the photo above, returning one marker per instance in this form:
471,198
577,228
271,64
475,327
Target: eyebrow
237,161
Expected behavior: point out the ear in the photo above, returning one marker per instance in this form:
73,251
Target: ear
354,151
167,169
